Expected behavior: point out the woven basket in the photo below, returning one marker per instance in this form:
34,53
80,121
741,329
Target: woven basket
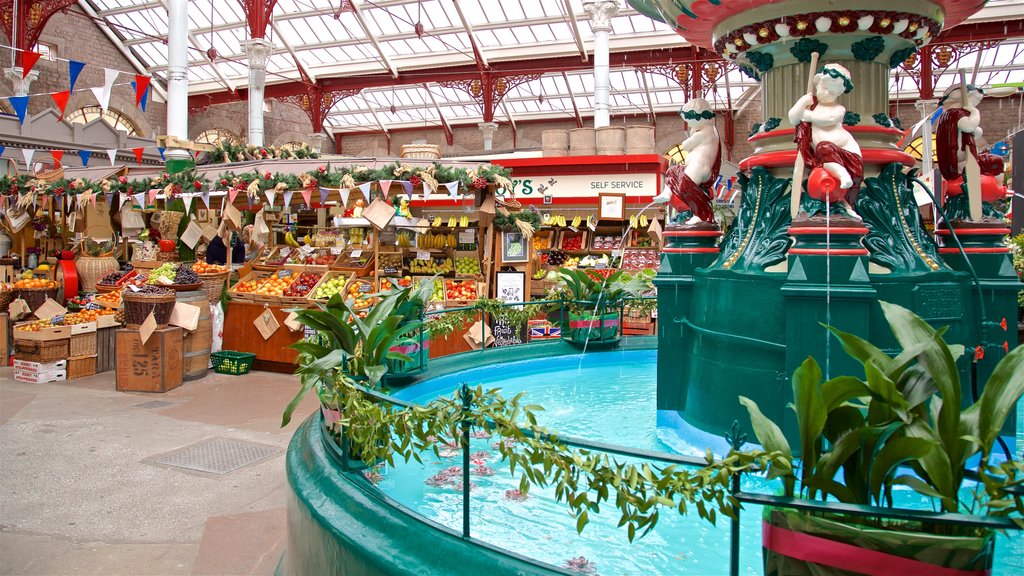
92,268
138,306
214,285
35,297
5,300
41,350
105,288
421,151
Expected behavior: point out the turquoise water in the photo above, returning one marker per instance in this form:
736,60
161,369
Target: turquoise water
605,397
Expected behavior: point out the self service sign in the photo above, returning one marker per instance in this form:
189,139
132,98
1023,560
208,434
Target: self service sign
585,185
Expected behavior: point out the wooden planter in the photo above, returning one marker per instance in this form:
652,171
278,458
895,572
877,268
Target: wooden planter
801,544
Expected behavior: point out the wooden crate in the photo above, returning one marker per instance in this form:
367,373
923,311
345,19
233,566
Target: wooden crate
567,234
81,367
106,349
323,280
5,337
43,334
155,366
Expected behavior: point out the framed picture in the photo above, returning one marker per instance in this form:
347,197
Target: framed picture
611,206
514,248
510,286
202,215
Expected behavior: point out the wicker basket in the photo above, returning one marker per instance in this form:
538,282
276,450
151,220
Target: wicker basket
105,288
214,285
92,268
41,350
82,345
35,297
5,300
138,306
421,151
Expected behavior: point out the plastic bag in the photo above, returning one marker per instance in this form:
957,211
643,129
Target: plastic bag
217,320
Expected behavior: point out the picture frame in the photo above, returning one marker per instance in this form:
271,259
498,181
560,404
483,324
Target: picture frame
611,206
510,286
202,215
514,248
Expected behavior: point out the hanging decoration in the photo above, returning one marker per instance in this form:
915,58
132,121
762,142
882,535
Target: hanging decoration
74,69
138,155
28,60
112,153
141,86
58,155
20,105
61,100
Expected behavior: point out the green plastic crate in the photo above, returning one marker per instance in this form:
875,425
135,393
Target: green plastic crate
234,363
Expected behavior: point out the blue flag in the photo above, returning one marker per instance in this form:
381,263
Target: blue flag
145,96
75,68
161,150
84,155
2,148
20,105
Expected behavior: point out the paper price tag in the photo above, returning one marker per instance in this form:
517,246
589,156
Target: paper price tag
185,316
292,322
133,287
209,231
600,266
148,327
423,254
93,306
357,253
307,249
192,235
164,280
233,215
284,273
285,251
467,237
336,251
57,320
266,324
616,253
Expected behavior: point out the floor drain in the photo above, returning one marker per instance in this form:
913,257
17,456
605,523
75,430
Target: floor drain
153,404
218,455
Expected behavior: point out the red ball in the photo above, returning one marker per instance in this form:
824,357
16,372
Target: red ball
823,186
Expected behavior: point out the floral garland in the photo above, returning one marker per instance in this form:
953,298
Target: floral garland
226,152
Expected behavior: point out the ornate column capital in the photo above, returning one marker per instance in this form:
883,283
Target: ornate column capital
259,51
601,14
20,85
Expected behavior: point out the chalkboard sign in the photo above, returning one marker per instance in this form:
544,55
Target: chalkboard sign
505,334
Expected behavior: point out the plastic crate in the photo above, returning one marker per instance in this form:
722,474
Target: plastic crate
234,363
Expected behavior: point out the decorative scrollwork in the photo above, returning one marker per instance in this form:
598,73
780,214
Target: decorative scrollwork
758,236
897,238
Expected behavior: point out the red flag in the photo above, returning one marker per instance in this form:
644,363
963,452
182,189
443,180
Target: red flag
28,60
58,155
61,99
141,83
138,154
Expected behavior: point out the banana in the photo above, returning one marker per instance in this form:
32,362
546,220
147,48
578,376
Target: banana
633,221
451,222
465,221
290,240
437,221
307,240
576,221
643,220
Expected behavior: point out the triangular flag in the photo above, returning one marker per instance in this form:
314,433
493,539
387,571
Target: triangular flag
112,153
206,198
271,195
385,186
232,192
288,197
249,200
365,189
453,189
138,155
345,193
61,99
306,193
84,155
145,98
140,199
408,188
28,60
74,69
102,94
187,199
2,148
92,199
324,192
20,105
152,195
141,85
110,198
68,201
28,153
58,155
120,203
161,151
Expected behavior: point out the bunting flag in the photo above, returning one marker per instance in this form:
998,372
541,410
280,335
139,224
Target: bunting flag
28,60
2,148
92,200
112,153
121,201
453,190
138,155
187,199
365,189
232,192
84,155
249,200
58,155
141,86
288,197
102,93
69,199
109,196
306,194
206,198
140,199
271,194
61,100
324,192
345,193
152,195
27,153
74,69
407,186
161,151
385,186
20,105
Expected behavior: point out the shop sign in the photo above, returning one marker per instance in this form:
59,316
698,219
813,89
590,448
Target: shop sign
586,185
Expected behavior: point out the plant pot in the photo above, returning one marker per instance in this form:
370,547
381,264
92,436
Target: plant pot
418,349
592,328
799,543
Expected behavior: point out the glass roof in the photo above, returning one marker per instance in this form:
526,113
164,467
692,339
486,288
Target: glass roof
380,36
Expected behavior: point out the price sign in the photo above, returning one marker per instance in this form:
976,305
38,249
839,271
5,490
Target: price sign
616,253
133,287
284,273
93,306
337,250
423,254
600,266
357,253
285,251
467,237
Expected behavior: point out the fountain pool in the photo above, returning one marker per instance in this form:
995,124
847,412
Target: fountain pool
605,397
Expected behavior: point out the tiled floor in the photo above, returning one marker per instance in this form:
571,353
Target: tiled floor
81,491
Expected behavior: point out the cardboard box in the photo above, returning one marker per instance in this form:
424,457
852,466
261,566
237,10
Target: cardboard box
49,333
155,366
26,366
39,378
85,328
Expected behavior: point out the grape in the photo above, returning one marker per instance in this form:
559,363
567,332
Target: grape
166,270
111,278
186,276
150,290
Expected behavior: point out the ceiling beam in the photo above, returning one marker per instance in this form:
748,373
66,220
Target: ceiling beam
118,43
448,134
478,51
129,9
572,98
647,94
512,123
376,118
570,16
747,97
288,47
357,11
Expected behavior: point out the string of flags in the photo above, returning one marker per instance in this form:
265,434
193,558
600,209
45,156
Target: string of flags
724,189
86,155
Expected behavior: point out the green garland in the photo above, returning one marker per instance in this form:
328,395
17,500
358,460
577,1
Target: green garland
868,49
804,47
851,119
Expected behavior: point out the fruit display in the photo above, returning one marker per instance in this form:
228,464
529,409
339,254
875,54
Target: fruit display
186,276
640,259
166,270
321,258
110,299
347,262
641,239
356,236
554,258
34,283
431,241
34,326
361,294
387,284
605,242
149,289
276,284
467,266
541,241
390,263
432,266
437,294
78,302
247,286
572,241
603,261
112,278
571,263
202,267
302,285
600,274
460,290
539,274
405,239
86,316
329,287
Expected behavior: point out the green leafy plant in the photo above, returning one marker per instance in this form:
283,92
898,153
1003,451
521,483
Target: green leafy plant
904,412
1017,250
583,293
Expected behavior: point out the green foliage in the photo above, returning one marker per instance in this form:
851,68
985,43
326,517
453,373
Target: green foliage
868,49
900,56
771,124
905,410
507,222
804,47
763,61
882,119
851,119
1017,250
584,293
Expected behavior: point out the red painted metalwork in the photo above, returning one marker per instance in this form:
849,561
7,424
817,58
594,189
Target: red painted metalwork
787,157
690,250
969,250
974,231
316,102
489,89
691,233
32,16
788,132
257,15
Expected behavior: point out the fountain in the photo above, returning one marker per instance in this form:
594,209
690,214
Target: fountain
744,313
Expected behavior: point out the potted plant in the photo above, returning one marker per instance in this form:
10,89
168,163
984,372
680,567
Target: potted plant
594,306
900,426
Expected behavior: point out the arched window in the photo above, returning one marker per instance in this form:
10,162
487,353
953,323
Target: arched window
676,154
916,148
112,117
215,135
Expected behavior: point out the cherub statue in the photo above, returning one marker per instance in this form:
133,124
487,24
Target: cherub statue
959,125
687,187
821,139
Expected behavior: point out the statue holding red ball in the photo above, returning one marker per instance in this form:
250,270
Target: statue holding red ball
823,142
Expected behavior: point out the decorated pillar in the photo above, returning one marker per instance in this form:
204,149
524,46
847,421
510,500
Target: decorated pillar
259,51
177,84
601,14
318,142
20,83
488,129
